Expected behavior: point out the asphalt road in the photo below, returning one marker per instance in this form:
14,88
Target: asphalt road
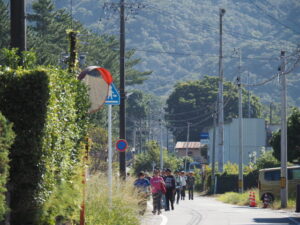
208,211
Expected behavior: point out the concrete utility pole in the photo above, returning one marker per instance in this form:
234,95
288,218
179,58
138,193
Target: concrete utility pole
240,135
161,146
271,113
213,160
249,105
18,25
122,88
283,140
134,138
221,99
187,146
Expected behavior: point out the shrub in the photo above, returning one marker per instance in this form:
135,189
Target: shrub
124,210
6,139
49,110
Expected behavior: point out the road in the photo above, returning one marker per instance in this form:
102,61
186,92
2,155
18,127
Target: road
208,211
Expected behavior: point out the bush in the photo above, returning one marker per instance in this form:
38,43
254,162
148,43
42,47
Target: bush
243,199
124,210
6,140
237,198
49,110
266,160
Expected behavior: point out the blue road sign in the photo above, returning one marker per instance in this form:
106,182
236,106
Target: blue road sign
113,97
204,135
121,145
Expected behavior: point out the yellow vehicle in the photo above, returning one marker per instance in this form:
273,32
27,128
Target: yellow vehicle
269,182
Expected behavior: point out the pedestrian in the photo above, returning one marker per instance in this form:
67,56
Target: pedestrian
178,186
158,188
190,183
142,185
170,189
147,176
183,182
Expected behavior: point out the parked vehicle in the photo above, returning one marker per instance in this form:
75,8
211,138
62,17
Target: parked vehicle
269,182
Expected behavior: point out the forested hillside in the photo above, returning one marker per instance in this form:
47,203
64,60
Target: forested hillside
179,40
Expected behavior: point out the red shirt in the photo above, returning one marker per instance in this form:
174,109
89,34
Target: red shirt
156,183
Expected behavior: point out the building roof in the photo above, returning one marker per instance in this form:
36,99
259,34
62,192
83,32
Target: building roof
190,145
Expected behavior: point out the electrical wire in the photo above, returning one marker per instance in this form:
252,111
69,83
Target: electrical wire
273,18
226,31
275,75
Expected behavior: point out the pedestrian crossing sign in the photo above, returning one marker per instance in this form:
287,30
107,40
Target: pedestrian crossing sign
113,97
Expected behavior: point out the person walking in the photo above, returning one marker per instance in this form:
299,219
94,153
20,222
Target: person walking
142,185
158,188
170,189
190,183
178,186
183,182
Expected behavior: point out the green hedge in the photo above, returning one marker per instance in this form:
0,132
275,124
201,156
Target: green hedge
49,110
6,140
229,182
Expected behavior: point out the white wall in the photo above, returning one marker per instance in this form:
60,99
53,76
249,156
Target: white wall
254,135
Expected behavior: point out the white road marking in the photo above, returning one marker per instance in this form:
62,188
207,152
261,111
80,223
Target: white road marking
294,221
164,218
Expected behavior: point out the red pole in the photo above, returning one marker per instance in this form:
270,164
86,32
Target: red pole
82,211
85,159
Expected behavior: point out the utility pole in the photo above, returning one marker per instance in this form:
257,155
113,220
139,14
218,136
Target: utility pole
213,160
134,138
271,113
167,140
18,25
249,105
122,88
221,99
140,139
161,146
283,140
187,146
239,83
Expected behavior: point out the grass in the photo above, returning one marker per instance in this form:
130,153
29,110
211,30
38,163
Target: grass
243,199
124,209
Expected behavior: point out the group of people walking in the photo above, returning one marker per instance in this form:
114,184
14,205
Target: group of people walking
165,188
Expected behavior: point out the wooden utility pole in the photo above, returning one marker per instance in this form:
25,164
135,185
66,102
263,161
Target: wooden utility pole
122,88
18,25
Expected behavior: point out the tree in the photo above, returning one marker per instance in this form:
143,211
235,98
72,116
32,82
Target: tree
136,109
4,25
266,160
47,31
152,155
293,138
195,102
47,37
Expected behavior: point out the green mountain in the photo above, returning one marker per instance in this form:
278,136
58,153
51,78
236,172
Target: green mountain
179,40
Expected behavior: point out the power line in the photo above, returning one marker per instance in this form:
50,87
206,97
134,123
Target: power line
206,55
273,18
276,75
209,27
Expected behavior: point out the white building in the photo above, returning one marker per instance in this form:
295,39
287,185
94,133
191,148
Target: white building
254,138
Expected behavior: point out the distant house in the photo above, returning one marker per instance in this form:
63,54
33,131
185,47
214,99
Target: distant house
254,138
195,150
